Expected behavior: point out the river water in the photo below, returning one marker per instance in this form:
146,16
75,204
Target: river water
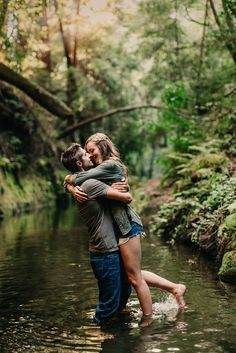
48,293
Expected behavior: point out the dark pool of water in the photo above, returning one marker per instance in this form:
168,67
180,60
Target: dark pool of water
48,293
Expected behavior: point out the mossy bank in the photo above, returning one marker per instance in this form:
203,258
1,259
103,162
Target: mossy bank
30,192
202,206
31,174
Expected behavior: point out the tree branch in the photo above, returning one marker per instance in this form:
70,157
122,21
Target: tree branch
98,117
195,21
231,92
37,93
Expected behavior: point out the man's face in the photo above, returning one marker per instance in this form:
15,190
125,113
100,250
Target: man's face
86,160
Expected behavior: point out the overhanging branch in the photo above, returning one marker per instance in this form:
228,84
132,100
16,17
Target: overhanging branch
37,93
90,120
195,21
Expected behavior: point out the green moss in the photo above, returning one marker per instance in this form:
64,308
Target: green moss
231,245
32,192
232,207
227,271
230,221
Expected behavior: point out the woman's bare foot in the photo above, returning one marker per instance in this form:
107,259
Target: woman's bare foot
146,321
178,293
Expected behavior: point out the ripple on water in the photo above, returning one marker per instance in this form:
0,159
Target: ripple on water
35,337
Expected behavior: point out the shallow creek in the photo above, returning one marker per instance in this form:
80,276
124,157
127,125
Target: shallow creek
48,293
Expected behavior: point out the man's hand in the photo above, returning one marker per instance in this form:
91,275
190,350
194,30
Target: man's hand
114,194
77,193
121,186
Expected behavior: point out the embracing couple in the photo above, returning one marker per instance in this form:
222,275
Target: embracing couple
114,229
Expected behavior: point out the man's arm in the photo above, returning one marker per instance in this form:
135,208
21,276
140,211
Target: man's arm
122,186
97,189
119,194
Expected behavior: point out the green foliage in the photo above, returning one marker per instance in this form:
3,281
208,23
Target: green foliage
203,213
226,126
4,162
221,194
13,40
14,164
148,55
202,163
152,56
175,98
230,222
198,164
227,271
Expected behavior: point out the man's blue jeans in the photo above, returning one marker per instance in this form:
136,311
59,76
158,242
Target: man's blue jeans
114,289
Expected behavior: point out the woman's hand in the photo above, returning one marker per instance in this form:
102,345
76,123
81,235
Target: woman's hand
77,193
68,179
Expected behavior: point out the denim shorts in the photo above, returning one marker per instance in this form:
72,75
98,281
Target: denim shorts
136,230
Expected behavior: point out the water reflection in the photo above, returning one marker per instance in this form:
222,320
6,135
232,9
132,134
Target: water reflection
48,293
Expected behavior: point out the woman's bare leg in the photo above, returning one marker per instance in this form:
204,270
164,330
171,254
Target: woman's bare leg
131,256
176,289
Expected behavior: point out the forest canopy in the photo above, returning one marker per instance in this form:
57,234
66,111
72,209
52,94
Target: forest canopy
153,75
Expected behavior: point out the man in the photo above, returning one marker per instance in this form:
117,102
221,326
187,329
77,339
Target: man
114,289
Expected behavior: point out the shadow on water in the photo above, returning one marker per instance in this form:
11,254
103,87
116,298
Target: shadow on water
48,293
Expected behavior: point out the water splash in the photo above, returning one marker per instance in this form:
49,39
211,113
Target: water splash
168,309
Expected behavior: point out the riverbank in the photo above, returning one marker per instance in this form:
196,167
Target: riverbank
208,228
31,174
25,193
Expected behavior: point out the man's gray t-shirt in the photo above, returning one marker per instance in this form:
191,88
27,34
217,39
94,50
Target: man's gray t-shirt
97,216
109,172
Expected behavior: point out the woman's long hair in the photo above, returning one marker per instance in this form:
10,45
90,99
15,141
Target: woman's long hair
106,146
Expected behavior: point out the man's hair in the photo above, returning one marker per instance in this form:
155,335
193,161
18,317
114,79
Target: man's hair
70,156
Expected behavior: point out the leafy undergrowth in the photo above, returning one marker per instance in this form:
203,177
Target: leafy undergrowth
203,208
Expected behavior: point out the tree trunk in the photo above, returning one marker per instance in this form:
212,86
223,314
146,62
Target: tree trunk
3,12
152,159
71,59
230,18
45,54
37,93
177,41
225,36
63,36
200,63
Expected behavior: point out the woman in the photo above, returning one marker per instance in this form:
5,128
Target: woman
129,226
